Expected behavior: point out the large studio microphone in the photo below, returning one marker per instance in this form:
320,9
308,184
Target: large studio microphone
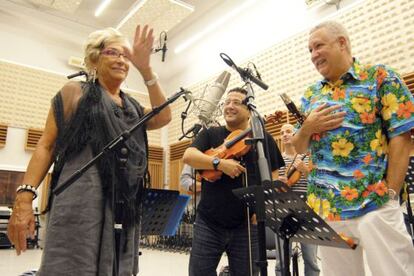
164,48
207,105
214,93
292,108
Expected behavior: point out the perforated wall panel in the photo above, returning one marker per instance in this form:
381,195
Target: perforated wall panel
381,31
67,6
26,92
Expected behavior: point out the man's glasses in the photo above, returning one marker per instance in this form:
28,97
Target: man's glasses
236,103
113,53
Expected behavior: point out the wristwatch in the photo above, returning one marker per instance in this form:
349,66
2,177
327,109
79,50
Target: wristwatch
216,162
392,194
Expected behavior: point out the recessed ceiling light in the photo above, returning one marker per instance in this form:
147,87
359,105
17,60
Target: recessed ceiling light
102,7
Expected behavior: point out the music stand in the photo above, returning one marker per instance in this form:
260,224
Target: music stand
292,219
162,211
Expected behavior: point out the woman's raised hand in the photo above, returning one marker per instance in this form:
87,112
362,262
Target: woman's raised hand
142,48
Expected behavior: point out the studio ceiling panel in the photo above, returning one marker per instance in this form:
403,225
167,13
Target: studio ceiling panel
66,6
162,15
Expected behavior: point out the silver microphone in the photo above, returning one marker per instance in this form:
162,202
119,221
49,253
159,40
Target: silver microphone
207,105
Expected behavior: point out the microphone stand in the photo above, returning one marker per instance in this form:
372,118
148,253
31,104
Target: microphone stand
118,143
257,142
264,170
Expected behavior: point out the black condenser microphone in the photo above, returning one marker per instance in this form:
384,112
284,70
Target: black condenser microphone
164,48
244,73
292,108
80,73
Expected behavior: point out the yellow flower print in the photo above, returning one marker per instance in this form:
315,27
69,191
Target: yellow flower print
311,200
379,144
326,206
361,105
395,84
389,106
342,147
308,93
326,89
357,68
321,207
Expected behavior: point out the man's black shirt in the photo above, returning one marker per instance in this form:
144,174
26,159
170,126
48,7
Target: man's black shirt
218,205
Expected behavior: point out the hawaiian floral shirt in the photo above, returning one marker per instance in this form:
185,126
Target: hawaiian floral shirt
349,163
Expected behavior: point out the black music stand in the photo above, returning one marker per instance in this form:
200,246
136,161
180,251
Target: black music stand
292,219
162,211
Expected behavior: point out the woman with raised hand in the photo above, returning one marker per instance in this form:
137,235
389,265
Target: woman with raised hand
83,118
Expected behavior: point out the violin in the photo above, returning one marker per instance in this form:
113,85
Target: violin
233,146
292,173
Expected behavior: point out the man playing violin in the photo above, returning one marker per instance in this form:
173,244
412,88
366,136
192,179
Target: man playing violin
221,224
294,174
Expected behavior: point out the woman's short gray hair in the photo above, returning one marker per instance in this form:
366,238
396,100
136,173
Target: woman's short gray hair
335,29
97,41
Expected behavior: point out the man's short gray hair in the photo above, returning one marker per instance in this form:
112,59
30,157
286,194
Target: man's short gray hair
335,29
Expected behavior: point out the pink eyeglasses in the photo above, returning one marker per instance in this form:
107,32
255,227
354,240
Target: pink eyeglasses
110,52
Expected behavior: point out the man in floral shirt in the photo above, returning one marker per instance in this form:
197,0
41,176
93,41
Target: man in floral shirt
357,129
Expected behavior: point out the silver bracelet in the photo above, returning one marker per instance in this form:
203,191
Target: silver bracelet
152,81
27,188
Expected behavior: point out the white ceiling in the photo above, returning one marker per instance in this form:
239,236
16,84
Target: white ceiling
162,13
58,28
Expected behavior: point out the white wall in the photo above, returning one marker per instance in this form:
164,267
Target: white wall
13,157
257,27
